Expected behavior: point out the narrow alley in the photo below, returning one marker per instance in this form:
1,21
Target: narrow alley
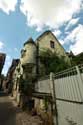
10,114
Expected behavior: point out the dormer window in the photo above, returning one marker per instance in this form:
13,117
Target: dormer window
52,44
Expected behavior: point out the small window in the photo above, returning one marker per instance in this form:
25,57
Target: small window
52,44
23,53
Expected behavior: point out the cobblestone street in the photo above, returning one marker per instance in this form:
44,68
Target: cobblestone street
10,114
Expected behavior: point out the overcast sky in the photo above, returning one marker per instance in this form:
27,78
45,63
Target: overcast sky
21,19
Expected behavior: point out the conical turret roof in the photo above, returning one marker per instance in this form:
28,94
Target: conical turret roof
30,40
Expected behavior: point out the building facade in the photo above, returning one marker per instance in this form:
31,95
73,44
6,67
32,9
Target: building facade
2,61
25,74
8,80
48,41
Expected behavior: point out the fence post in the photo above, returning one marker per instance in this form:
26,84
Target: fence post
52,85
80,85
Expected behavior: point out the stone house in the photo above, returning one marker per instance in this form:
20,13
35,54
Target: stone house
8,81
16,82
48,41
26,72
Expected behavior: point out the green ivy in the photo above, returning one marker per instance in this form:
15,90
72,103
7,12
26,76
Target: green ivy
52,62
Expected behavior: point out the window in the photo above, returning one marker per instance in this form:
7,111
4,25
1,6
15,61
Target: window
52,44
23,53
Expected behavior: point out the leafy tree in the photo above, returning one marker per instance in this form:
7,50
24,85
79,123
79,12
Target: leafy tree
78,59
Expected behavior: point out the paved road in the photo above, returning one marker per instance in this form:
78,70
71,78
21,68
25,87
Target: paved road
12,115
7,111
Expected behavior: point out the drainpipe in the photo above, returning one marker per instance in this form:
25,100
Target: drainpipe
37,64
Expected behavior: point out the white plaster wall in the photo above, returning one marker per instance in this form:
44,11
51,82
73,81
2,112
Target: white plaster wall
43,86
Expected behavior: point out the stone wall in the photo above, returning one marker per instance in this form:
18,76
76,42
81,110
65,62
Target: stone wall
44,112
28,53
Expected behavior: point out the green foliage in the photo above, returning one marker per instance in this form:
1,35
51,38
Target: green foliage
76,60
26,86
46,103
52,62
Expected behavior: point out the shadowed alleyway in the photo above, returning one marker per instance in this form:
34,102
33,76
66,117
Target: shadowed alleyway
12,115
7,111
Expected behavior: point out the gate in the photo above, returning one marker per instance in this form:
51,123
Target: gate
66,88
69,96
